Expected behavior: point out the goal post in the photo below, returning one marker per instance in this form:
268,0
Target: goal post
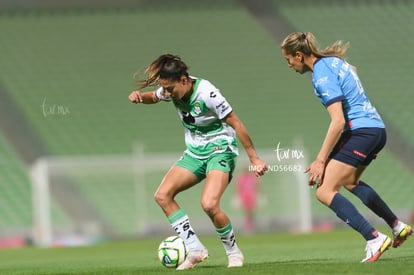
42,227
83,199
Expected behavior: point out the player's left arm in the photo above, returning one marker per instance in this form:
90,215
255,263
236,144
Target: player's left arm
244,137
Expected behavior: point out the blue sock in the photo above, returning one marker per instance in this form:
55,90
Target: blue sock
374,202
347,212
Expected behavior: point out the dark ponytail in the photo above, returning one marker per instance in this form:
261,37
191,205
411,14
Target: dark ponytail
166,66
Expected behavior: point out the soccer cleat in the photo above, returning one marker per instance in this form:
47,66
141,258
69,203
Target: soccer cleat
236,260
401,233
376,247
193,258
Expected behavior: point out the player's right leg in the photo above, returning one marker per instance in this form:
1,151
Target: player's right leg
176,180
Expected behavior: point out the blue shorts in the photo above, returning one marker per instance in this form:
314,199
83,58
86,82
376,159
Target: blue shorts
359,147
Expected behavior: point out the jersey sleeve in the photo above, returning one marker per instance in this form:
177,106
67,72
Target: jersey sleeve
326,86
216,102
159,93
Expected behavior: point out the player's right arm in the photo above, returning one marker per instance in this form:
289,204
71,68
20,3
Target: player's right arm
143,97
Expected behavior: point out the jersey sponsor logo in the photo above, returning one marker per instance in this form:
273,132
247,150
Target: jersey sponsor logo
187,117
213,94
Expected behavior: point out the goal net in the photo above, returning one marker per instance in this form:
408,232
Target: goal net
82,199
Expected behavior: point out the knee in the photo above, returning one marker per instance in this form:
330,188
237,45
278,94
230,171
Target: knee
162,198
210,207
319,195
323,196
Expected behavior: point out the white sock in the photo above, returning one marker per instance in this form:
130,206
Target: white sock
228,239
181,224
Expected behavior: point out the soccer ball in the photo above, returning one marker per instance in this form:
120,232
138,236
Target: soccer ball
172,251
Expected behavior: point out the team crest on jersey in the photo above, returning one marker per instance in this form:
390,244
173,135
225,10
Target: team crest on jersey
197,108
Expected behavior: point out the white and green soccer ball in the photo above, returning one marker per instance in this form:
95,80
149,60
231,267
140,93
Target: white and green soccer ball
172,251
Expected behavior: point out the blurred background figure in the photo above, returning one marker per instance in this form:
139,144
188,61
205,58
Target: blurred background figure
247,192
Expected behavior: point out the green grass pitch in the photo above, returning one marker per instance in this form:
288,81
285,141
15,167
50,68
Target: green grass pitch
337,252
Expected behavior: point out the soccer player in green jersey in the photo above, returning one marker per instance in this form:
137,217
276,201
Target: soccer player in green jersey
211,132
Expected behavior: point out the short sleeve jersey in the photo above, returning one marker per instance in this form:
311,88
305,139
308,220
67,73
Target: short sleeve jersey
335,80
202,117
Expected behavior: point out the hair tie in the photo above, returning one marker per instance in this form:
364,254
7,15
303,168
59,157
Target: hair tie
303,35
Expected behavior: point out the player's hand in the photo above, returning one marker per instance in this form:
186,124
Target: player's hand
260,167
316,172
135,97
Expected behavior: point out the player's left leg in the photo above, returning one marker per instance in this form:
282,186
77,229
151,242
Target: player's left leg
216,183
219,172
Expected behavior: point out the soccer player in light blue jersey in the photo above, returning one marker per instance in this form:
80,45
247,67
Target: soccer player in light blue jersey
211,132
355,136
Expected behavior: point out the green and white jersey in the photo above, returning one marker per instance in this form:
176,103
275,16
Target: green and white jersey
201,116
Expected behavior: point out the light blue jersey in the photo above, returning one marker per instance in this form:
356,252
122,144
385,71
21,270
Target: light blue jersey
334,80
